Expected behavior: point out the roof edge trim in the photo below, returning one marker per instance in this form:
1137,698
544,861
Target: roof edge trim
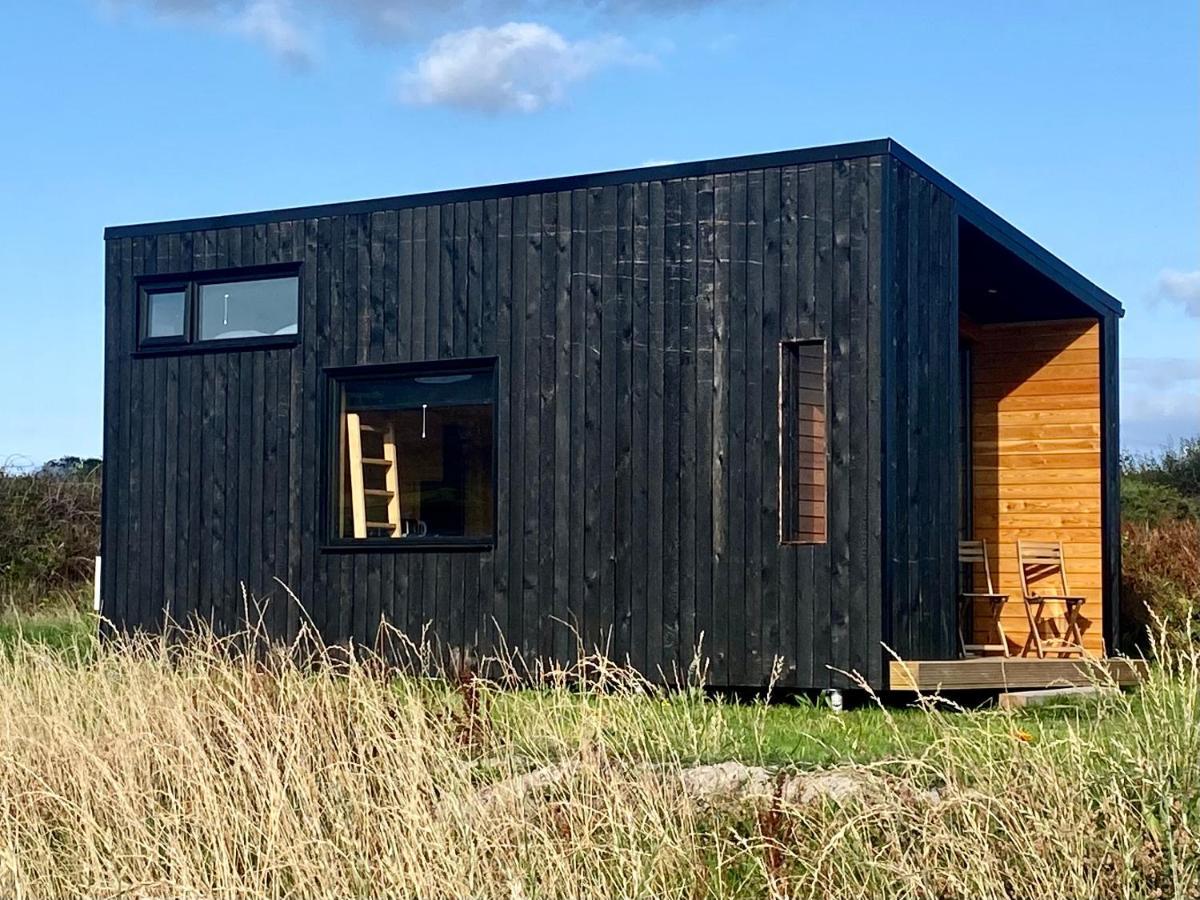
698,168
1012,238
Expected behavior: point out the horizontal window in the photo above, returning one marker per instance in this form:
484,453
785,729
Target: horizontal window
220,309
416,455
254,308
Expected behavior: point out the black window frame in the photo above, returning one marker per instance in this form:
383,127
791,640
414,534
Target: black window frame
190,284
330,458
796,537
148,290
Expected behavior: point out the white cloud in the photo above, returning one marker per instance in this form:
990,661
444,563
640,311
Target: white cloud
515,67
1182,288
383,18
1160,400
499,64
276,25
405,19
1160,371
272,23
659,162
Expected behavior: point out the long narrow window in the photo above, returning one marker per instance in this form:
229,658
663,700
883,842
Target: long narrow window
416,453
226,310
802,442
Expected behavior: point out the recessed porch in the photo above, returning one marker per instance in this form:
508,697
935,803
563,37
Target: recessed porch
1033,371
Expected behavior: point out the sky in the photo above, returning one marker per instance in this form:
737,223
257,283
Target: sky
1077,120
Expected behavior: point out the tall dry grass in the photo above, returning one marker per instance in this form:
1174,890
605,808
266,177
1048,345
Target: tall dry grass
158,771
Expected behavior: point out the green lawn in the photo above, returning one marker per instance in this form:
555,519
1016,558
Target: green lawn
792,733
60,629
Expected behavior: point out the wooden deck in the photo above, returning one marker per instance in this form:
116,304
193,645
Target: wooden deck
999,674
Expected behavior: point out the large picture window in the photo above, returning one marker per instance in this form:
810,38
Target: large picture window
225,310
415,454
802,442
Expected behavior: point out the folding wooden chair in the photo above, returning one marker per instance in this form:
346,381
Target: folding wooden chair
1038,560
970,555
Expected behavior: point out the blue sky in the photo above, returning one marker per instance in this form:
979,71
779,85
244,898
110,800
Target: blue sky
1077,121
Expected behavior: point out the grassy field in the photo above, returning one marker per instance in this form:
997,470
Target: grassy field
143,771
777,731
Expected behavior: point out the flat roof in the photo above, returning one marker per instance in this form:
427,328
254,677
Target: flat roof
968,207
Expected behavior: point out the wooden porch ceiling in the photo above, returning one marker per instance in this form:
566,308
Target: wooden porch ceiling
998,673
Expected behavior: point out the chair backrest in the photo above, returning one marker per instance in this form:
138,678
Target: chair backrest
1041,559
973,553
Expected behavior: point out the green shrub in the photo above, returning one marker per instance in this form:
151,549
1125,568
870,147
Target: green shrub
1164,485
49,530
1146,501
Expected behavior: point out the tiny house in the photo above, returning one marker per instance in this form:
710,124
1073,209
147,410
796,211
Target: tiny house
746,407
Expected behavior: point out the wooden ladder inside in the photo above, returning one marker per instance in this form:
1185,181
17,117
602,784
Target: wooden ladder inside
360,465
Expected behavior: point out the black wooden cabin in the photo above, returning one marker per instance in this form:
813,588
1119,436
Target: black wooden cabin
726,404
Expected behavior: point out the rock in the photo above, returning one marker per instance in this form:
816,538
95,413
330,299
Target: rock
838,786
728,783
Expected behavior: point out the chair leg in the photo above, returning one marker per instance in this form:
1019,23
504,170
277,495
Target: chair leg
1035,634
1000,633
1073,632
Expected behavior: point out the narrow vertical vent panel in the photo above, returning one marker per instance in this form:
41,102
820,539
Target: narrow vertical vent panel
802,451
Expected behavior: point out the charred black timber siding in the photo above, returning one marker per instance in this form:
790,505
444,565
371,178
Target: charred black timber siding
921,398
636,318
637,327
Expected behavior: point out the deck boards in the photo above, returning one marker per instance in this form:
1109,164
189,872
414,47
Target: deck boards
996,673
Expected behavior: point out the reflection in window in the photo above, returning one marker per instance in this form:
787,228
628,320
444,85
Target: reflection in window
165,313
416,458
260,306
248,309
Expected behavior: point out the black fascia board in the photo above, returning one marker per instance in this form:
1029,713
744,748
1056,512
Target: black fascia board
1012,238
666,172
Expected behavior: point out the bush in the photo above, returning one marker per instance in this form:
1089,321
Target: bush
1164,485
1160,578
49,530
1148,501
1160,567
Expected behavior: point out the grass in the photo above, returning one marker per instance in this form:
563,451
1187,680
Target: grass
64,630
795,731
151,771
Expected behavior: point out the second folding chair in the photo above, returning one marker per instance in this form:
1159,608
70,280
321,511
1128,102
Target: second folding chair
972,556
1037,562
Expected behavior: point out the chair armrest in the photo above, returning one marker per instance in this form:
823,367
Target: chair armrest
1060,598
973,596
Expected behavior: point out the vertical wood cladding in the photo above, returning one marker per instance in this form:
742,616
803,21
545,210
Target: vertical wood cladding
921,396
636,327
1036,434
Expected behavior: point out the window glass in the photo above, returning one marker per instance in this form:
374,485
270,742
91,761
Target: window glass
416,457
802,442
165,311
248,309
